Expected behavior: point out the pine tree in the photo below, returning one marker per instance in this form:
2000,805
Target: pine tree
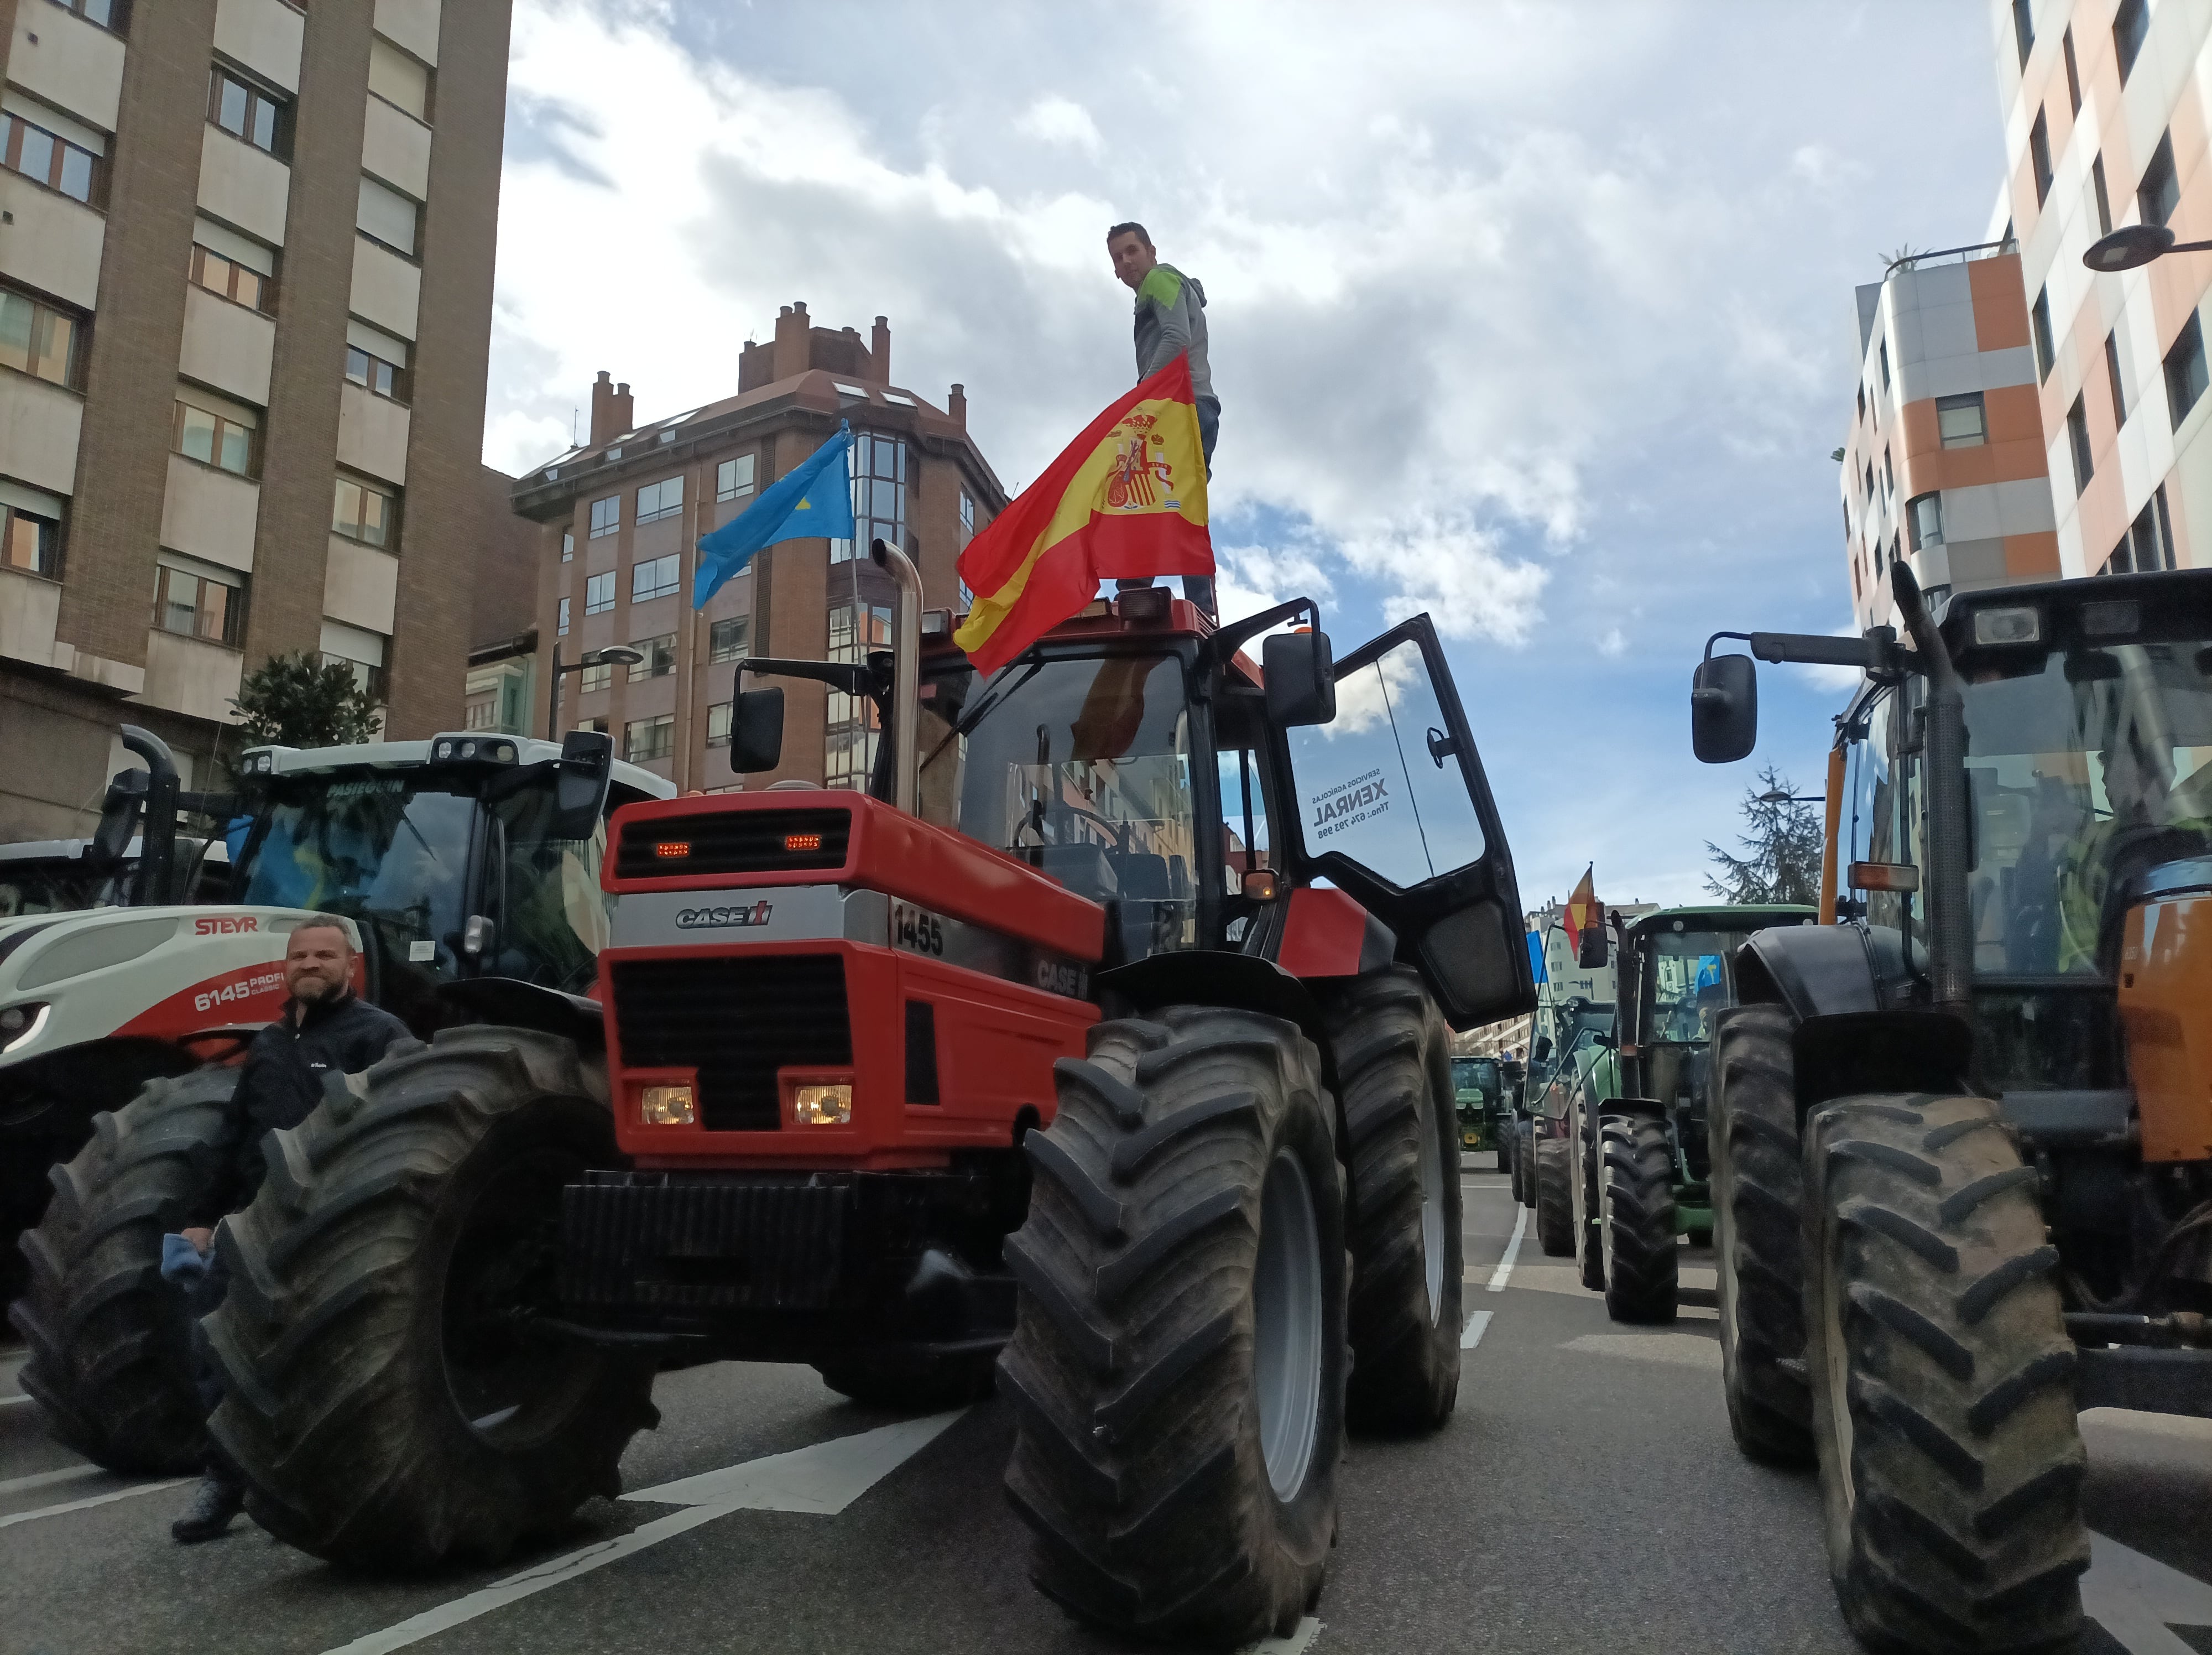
1783,841
301,700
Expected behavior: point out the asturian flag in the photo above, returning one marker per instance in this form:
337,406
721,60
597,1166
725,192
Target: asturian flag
814,498
1126,498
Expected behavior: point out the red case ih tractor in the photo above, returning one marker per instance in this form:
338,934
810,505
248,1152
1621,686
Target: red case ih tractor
1049,1053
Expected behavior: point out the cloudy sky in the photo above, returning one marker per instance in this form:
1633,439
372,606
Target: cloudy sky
1537,317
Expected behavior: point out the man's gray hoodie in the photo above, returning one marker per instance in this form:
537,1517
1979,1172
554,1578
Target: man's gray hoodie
1171,319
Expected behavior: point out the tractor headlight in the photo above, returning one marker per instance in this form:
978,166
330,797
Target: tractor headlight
666,1106
20,1025
821,1106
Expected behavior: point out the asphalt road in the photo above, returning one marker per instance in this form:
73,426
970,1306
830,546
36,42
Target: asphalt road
1585,1498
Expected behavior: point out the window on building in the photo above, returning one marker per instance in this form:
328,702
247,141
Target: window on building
1888,474
2104,197
2152,550
967,515
1861,400
599,593
1870,482
726,639
659,657
249,112
1924,520
2159,193
38,340
2129,24
2077,435
232,280
1958,420
113,15
30,540
385,215
596,676
657,499
733,478
606,516
401,81
648,739
2118,560
878,494
223,439
362,653
849,740
2039,154
1885,367
718,724
2039,318
2073,73
568,545
656,577
47,158
560,620
199,605
362,511
596,725
374,374
2112,375
2023,28
2185,370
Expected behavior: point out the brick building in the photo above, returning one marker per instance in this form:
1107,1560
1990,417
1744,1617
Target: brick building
622,517
246,275
1945,466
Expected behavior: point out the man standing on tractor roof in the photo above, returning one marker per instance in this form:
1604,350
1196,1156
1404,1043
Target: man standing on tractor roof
1170,322
325,1030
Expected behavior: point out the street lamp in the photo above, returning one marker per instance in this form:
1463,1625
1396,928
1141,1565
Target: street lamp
1778,797
2135,244
615,654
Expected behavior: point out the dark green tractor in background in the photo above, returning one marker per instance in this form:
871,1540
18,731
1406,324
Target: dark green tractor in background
1640,1113
1485,1115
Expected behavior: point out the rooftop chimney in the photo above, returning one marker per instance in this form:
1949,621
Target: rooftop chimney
602,408
622,410
879,349
957,405
794,352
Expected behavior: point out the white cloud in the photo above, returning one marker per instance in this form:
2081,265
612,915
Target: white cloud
1614,644
1061,121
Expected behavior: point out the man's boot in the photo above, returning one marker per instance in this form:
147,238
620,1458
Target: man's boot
214,1503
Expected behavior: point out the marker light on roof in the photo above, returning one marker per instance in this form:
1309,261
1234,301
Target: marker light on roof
2018,623
1146,604
2113,617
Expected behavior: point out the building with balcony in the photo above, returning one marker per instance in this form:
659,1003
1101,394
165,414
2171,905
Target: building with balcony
620,520
246,271
1945,465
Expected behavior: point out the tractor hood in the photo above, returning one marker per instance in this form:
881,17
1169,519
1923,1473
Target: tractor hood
157,973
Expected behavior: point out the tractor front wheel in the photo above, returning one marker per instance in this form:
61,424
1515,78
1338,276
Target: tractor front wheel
387,1396
1636,1218
1178,1363
1951,1462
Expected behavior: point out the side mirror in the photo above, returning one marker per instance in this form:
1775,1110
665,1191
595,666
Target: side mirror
757,730
1725,709
1591,956
1301,678
580,792
119,818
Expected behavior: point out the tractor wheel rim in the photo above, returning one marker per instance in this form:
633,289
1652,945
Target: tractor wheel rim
1286,1325
1433,1216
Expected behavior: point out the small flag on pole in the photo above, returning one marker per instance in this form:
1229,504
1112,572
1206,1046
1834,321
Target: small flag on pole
813,499
1581,911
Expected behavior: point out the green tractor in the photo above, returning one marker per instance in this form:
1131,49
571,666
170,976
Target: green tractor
1639,1121
1485,1115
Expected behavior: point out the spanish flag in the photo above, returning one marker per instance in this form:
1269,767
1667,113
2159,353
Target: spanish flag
1126,498
1582,910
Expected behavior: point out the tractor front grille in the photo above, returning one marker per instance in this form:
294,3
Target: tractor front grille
733,841
731,1242
736,1020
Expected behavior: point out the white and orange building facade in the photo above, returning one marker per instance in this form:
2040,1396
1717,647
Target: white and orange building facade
2106,125
1946,464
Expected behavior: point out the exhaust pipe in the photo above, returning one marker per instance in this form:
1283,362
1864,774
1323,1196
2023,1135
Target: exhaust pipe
906,677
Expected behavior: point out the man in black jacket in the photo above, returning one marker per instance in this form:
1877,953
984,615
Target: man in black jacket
325,1029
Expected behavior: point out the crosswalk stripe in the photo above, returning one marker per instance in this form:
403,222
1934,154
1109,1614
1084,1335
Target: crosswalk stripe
47,1479
90,1501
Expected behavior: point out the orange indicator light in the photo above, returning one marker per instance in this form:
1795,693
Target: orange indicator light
802,842
673,849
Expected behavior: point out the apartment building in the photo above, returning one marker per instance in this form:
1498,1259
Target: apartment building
1945,466
621,520
245,273
2105,111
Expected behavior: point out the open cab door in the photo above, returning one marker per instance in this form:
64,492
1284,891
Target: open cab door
1394,809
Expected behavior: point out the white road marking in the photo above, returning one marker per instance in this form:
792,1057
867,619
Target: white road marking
2135,1598
47,1479
1299,1641
824,1478
9,1402
1677,1349
9,1521
1477,1325
1504,1273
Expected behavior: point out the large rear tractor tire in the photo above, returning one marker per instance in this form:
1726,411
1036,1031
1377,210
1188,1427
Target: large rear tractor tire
1178,1363
1524,1163
387,1405
1758,1186
1636,1216
1555,1196
1392,1057
1951,1462
111,1349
